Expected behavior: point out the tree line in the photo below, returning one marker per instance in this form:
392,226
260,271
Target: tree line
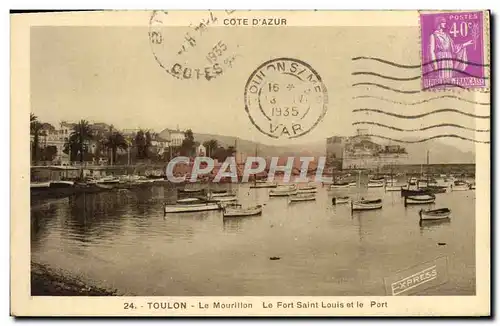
114,146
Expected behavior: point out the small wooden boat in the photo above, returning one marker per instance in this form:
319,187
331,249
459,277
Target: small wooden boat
460,186
264,184
307,190
340,200
282,193
191,201
191,191
364,205
353,184
104,186
283,190
375,184
108,180
415,192
194,207
339,185
392,188
302,197
377,180
434,214
227,199
62,184
420,199
220,193
37,185
237,210
435,189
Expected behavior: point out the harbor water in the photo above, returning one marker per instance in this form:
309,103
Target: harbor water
120,239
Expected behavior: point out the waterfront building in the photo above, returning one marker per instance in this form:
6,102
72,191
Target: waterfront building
361,152
201,150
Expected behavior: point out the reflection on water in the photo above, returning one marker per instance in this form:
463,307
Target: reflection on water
122,240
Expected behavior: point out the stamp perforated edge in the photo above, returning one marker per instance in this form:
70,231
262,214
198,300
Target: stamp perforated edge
486,54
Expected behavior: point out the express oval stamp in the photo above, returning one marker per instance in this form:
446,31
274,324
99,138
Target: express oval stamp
285,98
191,50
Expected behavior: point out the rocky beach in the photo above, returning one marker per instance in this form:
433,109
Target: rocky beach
49,282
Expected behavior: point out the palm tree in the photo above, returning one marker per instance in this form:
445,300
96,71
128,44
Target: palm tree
80,137
231,150
211,146
35,130
114,142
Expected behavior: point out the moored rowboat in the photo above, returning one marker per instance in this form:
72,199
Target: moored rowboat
460,186
238,211
340,200
185,208
339,185
375,184
434,214
306,190
105,186
282,191
34,185
302,197
190,191
393,188
420,199
363,205
264,184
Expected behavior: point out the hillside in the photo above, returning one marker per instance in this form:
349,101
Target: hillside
440,153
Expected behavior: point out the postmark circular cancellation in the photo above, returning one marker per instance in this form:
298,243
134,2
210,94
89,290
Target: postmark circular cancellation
191,50
285,98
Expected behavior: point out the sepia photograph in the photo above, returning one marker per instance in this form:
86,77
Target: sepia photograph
264,162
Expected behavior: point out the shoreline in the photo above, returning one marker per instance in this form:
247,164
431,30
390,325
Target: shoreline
46,281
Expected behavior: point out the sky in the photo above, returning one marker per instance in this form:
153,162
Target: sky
110,74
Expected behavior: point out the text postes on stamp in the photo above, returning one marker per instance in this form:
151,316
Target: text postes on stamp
193,51
452,49
285,98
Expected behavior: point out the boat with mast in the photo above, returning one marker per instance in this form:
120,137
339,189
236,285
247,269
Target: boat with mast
261,183
365,204
389,185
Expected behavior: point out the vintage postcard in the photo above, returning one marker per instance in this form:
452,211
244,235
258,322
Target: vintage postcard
251,163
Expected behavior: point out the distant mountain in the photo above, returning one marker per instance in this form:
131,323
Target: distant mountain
248,147
439,153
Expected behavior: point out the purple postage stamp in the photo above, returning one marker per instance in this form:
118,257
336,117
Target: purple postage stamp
452,50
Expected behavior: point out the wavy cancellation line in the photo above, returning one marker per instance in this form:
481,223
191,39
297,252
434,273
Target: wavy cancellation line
427,139
407,91
418,129
416,116
394,64
369,73
420,102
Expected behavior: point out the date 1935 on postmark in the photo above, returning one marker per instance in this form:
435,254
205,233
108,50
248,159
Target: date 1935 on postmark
452,49
285,98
